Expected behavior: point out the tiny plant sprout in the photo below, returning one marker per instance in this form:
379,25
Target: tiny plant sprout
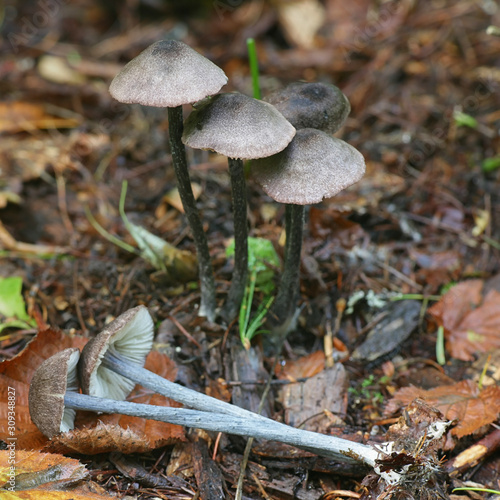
312,167
169,74
240,128
53,400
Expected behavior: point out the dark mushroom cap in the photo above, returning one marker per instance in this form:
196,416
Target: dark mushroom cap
237,126
312,167
50,382
312,105
131,336
167,74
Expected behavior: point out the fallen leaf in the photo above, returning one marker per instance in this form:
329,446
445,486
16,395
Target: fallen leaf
173,198
39,470
304,367
471,322
121,433
19,116
462,401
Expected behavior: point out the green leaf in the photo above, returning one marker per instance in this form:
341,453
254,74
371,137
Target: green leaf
490,164
11,299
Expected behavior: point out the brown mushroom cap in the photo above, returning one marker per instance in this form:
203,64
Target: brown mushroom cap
312,105
312,167
237,126
131,336
167,74
50,382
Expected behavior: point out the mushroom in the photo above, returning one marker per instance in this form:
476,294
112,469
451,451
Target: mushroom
112,363
55,377
312,167
316,105
169,74
240,128
53,401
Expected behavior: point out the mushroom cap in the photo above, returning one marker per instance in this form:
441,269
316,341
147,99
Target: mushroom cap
167,74
50,382
237,126
312,105
312,167
131,336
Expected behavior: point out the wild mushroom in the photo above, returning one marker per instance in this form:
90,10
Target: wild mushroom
312,167
312,105
53,401
112,363
240,128
170,74
51,381
318,105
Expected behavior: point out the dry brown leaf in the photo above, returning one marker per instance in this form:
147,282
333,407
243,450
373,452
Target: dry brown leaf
173,198
471,323
307,366
125,434
19,116
462,401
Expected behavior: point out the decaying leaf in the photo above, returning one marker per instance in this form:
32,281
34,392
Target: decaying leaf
111,433
306,366
462,401
18,116
39,470
470,320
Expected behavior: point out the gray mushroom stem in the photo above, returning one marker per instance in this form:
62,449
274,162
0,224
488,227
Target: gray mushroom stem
284,306
329,446
207,282
240,272
184,395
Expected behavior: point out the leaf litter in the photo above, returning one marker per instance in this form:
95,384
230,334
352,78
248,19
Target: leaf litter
425,214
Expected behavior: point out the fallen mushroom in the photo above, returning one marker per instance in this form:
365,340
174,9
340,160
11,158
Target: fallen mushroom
241,128
312,167
53,401
112,363
170,74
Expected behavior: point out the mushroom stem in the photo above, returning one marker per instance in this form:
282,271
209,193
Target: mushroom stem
207,283
284,306
240,271
184,395
340,449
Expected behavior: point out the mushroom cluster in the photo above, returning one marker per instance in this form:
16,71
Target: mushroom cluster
287,137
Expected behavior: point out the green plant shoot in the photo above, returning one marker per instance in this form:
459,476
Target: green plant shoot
262,258
12,305
254,67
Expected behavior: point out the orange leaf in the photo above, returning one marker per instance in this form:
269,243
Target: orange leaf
304,367
19,116
471,322
41,476
462,401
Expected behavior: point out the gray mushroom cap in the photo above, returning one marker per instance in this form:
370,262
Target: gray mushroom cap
131,336
167,74
50,382
312,105
313,166
237,126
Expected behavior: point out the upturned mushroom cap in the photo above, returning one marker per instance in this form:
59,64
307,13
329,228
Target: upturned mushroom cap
312,105
237,126
167,74
312,167
50,382
131,336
